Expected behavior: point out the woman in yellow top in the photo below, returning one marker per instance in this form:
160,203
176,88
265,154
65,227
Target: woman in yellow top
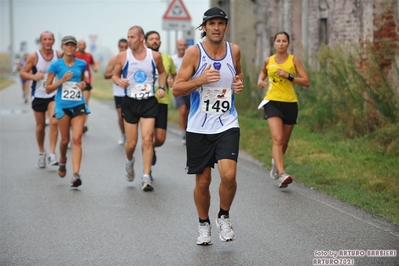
283,71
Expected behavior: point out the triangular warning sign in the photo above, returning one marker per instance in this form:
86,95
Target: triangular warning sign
176,11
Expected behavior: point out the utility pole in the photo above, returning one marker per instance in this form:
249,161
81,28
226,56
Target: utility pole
11,38
168,33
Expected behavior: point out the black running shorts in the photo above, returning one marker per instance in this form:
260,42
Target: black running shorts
76,111
133,110
288,112
41,104
118,101
162,118
204,150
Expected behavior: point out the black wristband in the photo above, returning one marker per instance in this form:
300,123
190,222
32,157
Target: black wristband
291,77
161,87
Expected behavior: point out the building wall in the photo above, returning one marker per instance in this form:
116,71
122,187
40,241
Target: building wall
344,21
242,26
386,25
296,28
310,23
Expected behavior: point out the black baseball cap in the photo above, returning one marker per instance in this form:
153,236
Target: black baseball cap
214,12
68,39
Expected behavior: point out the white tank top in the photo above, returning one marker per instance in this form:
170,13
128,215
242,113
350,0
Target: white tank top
42,65
212,107
141,76
118,91
177,61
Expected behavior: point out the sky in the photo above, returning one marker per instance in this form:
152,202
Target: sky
109,20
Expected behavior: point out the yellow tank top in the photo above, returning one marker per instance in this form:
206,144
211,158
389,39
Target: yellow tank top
279,88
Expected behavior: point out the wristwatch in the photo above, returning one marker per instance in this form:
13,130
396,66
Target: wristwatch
291,77
161,87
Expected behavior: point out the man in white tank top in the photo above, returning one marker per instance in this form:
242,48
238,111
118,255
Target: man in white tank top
182,102
36,69
211,72
119,92
134,71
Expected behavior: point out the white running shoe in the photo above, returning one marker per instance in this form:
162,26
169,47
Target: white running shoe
273,172
204,234
284,179
129,171
147,183
226,228
122,140
52,159
42,160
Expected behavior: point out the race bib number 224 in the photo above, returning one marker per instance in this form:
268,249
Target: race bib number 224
71,92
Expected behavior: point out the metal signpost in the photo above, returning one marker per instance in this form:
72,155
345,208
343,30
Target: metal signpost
176,18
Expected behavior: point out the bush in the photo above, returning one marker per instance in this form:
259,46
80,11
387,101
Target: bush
350,94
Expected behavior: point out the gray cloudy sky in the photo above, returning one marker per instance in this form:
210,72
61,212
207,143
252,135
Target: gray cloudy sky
108,19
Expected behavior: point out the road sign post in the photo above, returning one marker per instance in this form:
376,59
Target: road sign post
93,39
176,18
189,36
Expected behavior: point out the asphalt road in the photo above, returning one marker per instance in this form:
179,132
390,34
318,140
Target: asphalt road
109,221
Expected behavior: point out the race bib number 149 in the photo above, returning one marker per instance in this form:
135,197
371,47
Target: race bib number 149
215,100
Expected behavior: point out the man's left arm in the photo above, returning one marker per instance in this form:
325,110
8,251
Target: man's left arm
238,83
161,73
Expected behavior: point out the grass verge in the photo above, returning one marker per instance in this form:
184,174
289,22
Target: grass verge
4,82
350,170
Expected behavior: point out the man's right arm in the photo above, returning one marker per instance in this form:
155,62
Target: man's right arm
110,68
116,77
183,85
26,69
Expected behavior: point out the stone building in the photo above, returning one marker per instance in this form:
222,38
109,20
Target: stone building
310,23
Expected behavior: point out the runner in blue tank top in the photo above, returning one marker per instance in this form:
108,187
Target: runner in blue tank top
70,106
211,72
